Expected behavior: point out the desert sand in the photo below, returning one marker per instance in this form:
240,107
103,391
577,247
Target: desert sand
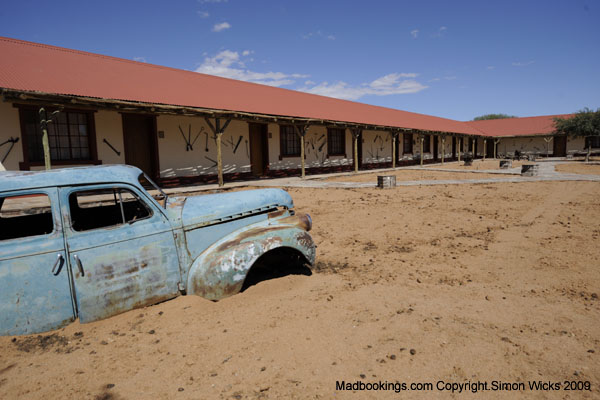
422,284
412,175
478,164
579,168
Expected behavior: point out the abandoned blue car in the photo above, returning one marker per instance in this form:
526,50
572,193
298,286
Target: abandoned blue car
92,242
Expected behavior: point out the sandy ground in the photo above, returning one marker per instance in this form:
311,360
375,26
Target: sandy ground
579,168
412,175
478,164
421,284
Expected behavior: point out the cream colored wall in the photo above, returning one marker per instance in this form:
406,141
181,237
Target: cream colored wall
109,126
315,148
176,161
377,147
524,144
10,127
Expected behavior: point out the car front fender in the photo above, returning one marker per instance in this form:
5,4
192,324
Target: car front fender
221,269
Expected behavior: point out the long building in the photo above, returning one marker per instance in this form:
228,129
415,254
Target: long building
168,121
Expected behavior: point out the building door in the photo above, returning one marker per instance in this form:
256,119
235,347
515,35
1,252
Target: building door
259,153
141,147
454,139
489,148
435,147
360,150
559,146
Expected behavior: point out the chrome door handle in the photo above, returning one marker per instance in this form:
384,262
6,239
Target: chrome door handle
60,260
79,264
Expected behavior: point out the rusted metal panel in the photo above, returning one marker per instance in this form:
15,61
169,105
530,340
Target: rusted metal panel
122,267
33,298
221,270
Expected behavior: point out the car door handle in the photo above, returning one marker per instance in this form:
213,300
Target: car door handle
60,260
79,265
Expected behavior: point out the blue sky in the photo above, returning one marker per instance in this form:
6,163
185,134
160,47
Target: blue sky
454,59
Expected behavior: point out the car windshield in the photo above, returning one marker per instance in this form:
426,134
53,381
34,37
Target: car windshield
153,189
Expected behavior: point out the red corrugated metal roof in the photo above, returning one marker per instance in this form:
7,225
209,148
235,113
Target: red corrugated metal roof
37,67
527,126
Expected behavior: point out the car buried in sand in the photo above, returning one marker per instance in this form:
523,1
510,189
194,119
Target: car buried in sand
92,242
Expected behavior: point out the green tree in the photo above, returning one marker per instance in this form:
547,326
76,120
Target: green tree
585,123
493,116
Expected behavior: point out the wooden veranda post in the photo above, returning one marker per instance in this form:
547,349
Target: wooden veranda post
45,144
548,140
355,135
496,141
394,134
301,132
484,148
218,131
473,149
422,139
459,140
443,147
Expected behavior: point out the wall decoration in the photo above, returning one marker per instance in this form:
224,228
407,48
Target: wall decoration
111,146
12,142
189,143
237,144
213,161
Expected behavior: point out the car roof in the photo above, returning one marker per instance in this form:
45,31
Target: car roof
19,180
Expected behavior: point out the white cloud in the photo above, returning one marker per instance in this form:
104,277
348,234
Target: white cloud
414,33
450,78
434,80
440,32
139,59
490,67
308,83
318,34
203,14
386,85
229,64
221,27
522,64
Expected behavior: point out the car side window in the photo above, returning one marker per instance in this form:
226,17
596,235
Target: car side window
102,208
25,215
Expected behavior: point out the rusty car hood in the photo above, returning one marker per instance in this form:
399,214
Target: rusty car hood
197,211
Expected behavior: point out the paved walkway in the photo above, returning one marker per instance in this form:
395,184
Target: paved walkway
546,172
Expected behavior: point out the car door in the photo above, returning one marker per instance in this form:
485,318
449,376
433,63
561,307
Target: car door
35,292
121,250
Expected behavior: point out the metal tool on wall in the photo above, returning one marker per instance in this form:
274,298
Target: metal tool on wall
237,144
189,143
111,146
12,142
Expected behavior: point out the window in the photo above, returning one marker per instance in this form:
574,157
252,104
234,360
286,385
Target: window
93,209
336,142
69,136
426,143
593,141
23,216
289,141
407,143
